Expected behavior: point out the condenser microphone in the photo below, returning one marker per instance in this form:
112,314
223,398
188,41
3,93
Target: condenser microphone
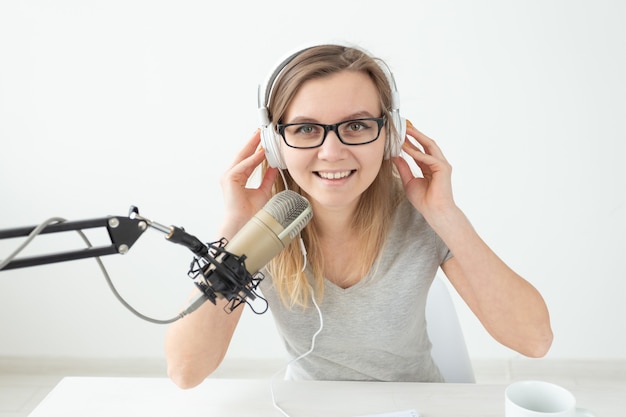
231,270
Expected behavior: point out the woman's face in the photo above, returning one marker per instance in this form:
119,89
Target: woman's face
334,175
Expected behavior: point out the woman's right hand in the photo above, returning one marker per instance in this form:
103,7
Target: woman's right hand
241,202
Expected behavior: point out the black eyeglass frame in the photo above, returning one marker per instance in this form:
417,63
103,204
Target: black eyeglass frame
380,121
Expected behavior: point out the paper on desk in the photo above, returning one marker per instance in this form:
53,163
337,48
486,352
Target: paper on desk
407,413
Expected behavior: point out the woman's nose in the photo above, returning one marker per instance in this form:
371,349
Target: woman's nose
332,148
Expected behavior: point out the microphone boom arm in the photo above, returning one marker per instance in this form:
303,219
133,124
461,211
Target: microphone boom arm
215,271
123,233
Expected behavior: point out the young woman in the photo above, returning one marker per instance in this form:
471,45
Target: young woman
377,238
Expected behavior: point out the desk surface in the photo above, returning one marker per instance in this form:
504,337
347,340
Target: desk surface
154,397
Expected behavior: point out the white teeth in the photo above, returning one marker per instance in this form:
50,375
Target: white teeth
334,175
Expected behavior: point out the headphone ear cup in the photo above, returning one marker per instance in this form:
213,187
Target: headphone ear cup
397,137
270,141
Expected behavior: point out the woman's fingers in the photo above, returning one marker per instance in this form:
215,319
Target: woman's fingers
429,146
245,162
424,151
249,148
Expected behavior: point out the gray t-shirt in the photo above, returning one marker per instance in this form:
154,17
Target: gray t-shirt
376,329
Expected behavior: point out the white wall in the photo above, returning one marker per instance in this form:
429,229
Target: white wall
104,105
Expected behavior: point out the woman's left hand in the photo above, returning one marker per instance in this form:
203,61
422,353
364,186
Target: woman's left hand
431,193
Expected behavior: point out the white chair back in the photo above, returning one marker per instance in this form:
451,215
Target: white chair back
444,330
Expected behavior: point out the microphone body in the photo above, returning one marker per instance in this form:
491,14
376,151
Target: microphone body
258,240
231,271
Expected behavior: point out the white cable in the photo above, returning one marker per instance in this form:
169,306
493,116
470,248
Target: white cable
282,174
303,248
319,312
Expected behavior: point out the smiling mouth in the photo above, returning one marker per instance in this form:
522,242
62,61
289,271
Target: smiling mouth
334,175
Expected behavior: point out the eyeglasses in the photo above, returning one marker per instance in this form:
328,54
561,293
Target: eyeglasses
350,132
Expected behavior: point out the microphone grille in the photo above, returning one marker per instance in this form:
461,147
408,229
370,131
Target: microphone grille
287,206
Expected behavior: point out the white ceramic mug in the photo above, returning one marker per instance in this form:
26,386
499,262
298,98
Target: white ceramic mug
540,399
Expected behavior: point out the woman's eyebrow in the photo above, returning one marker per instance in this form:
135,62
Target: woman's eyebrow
307,119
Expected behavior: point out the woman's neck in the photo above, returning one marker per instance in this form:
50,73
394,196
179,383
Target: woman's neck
334,223
340,247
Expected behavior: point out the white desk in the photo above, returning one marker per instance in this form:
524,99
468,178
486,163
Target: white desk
154,397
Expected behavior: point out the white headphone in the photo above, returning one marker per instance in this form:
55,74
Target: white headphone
270,139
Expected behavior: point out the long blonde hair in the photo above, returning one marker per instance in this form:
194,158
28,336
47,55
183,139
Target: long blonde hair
376,206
